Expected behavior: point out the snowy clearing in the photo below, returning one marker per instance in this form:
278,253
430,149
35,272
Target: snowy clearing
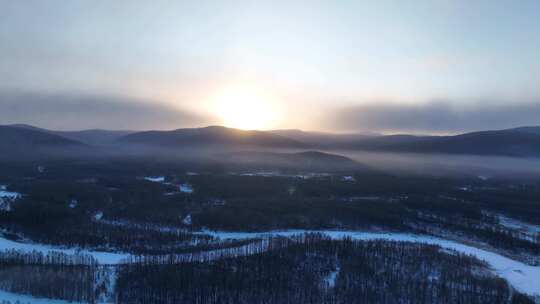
98,216
7,197
73,203
186,188
518,225
330,280
279,174
155,179
106,258
187,220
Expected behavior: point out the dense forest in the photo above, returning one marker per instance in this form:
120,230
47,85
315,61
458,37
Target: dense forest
307,268
58,276
142,208
312,269
111,206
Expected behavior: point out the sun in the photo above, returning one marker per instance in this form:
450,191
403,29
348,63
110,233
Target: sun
245,108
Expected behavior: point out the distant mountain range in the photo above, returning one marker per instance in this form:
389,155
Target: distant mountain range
518,142
324,139
21,143
90,137
26,137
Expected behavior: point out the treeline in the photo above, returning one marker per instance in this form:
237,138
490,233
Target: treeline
313,269
85,233
517,200
53,275
262,214
467,219
17,257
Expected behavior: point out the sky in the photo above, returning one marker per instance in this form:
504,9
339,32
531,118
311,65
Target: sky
434,66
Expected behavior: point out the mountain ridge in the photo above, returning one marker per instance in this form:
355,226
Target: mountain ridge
519,142
211,135
87,136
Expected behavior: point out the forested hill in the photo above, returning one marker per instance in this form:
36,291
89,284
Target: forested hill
214,135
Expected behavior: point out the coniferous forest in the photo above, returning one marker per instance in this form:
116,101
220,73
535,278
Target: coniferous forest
312,269
160,231
309,268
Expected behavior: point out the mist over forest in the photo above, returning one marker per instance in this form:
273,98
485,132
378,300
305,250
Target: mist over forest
276,152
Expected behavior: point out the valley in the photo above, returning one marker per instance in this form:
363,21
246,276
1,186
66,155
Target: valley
114,220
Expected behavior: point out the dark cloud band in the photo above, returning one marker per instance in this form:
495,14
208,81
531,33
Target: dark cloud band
81,111
435,117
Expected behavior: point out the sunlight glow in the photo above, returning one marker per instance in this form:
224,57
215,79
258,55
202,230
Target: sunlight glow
245,108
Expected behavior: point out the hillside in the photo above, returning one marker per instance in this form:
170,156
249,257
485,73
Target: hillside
26,138
309,160
90,137
519,142
323,139
516,142
213,135
21,142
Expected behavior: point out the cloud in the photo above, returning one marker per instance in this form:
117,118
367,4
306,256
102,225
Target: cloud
87,111
434,117
68,111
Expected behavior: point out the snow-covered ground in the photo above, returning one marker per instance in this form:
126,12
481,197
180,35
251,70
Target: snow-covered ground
73,203
106,258
187,220
8,194
98,216
6,197
155,179
185,188
348,179
330,280
279,174
260,173
522,277
26,299
519,225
